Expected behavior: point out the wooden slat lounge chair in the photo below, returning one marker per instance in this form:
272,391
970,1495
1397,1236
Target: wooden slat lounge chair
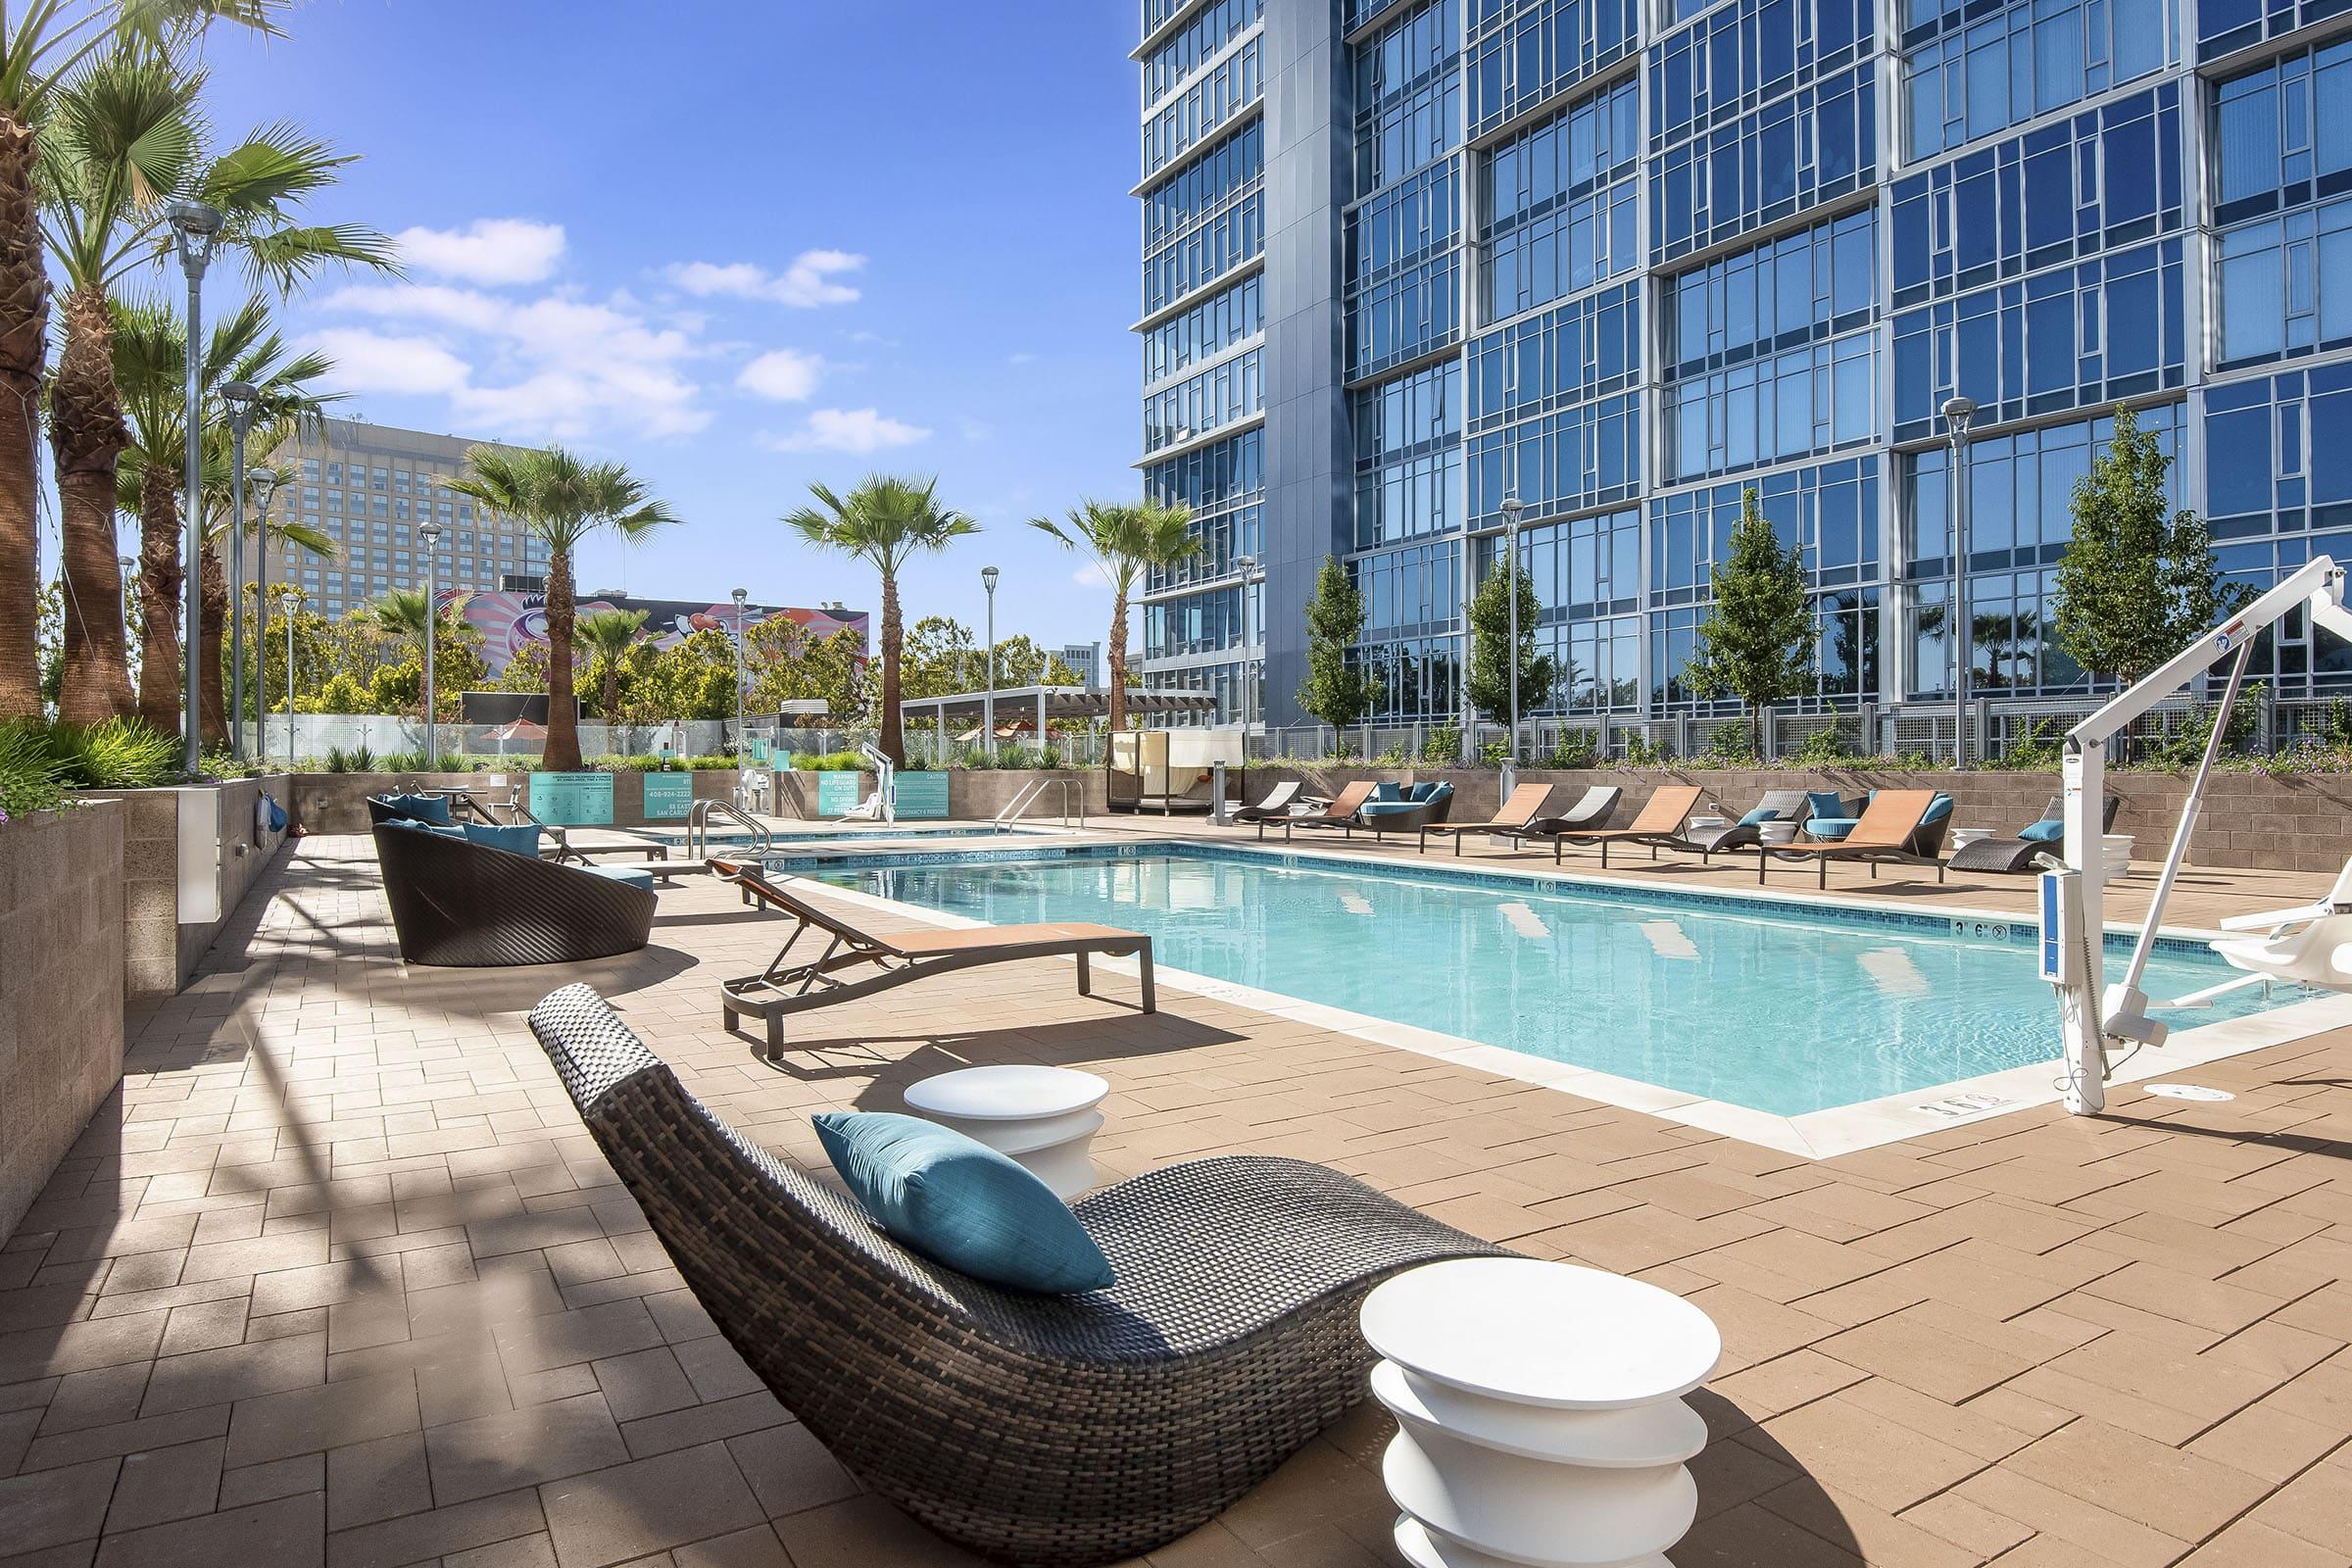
1659,823
1526,803
1888,830
1340,813
1274,806
1055,1430
887,962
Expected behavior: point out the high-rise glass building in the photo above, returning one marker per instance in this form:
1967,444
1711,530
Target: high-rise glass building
1628,259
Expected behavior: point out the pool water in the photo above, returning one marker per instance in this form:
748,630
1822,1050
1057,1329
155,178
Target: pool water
821,833
1780,1011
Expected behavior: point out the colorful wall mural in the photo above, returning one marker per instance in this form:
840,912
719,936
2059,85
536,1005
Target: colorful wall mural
510,622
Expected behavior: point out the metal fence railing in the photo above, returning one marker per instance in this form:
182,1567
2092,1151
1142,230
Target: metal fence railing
311,739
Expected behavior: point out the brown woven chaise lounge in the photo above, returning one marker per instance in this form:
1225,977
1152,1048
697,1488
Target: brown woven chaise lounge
2018,856
785,987
1518,813
1658,823
1048,1430
1340,813
1890,828
468,905
1777,806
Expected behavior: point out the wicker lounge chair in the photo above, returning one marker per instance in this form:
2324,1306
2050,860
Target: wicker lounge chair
1777,806
1050,1430
1895,826
888,961
1658,823
1591,809
1518,813
468,905
2019,856
1274,806
1340,813
1410,809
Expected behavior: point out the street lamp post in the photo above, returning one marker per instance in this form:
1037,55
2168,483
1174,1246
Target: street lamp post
194,230
1461,674
240,397
1512,506
1247,566
1958,411
742,749
294,597
988,704
431,533
264,481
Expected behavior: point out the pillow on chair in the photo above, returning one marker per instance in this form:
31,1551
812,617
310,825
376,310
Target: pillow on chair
1762,813
414,825
433,809
959,1203
2050,830
519,838
1825,802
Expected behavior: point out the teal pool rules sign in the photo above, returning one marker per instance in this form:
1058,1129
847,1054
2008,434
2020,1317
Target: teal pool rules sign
838,794
668,797
573,800
922,796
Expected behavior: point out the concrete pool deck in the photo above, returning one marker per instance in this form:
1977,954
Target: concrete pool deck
337,1278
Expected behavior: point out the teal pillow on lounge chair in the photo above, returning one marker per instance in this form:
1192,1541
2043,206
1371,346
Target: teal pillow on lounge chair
1825,803
417,825
1387,789
1762,813
959,1203
433,809
2050,830
519,838
1938,809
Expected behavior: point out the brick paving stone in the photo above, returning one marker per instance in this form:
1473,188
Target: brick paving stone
648,1505
159,1485
288,1533
495,1453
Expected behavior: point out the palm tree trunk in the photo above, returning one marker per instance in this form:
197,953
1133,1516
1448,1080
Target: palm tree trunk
210,704
86,434
892,741
160,590
612,691
23,355
562,752
1118,663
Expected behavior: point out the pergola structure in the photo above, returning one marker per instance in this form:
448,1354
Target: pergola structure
1044,705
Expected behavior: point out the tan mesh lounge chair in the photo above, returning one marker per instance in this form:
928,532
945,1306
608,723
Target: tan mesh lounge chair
1659,823
1887,831
1341,812
1274,806
1526,803
881,963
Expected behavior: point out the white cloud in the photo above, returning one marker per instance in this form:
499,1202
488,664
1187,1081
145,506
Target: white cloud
810,279
782,375
488,250
555,367
1023,358
849,430
1091,575
372,362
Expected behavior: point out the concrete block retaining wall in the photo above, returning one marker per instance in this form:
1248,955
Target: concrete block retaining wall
189,856
61,989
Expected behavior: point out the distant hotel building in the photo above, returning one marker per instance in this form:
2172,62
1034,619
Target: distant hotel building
1626,259
369,488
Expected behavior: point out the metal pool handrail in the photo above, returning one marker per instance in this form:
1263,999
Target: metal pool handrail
698,826
1020,805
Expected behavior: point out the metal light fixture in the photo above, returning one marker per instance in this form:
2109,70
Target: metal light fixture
195,230
1247,566
1512,506
1958,414
263,480
431,533
988,704
294,597
742,749
240,397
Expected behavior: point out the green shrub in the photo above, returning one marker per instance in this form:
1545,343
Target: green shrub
1640,752
1732,743
1823,748
1445,744
114,753
828,762
1575,751
29,777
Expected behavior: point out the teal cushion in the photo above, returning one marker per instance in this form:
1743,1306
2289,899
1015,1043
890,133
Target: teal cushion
522,837
622,873
1825,802
1385,790
1760,814
2050,830
415,826
1938,808
959,1203
433,809
1831,827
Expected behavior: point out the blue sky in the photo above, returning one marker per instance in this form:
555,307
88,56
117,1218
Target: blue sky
742,246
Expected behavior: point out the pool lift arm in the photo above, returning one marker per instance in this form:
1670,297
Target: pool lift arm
2073,898
886,782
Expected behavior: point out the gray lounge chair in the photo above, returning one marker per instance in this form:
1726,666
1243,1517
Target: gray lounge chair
1591,809
1340,813
2019,856
1274,806
1051,1429
1777,806
1518,813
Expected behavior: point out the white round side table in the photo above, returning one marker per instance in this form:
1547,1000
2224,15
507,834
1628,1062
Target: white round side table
1044,1117
1963,837
1540,1413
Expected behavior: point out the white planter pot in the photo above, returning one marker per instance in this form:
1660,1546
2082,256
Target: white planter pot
1963,837
2116,849
1777,832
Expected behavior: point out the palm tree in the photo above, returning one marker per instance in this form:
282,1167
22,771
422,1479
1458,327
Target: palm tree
41,44
150,354
608,636
125,137
1127,539
883,523
561,500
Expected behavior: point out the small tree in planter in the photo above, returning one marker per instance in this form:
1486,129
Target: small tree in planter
1756,642
1337,692
1491,654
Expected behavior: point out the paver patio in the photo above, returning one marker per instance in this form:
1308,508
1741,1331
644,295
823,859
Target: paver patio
338,1278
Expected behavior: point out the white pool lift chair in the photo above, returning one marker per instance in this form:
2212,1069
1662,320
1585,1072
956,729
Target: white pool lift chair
2310,946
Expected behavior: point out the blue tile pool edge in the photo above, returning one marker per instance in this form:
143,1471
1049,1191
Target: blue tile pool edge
2022,930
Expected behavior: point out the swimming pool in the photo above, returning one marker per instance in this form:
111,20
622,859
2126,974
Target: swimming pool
1774,1006
822,833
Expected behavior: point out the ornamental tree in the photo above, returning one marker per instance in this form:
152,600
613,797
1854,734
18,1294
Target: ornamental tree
1756,642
